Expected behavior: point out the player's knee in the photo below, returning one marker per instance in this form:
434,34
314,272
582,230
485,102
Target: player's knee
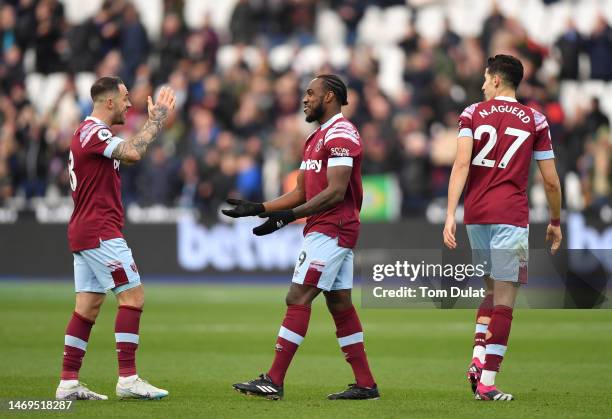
293,299
336,308
338,301
133,297
88,305
483,320
89,312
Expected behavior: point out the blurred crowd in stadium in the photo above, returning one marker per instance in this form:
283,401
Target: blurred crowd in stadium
238,126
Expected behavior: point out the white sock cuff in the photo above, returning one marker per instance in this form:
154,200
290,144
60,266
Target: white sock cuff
290,335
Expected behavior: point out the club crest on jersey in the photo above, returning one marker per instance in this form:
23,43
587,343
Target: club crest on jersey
315,165
319,145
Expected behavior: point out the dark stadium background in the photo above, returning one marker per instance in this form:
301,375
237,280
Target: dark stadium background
239,69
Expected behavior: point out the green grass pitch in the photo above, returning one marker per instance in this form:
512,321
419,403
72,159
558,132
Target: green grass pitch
196,340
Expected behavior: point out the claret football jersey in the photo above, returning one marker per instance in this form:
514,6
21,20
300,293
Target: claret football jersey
506,136
96,186
335,143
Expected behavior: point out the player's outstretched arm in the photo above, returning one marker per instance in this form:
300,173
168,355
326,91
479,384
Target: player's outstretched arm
552,186
291,199
132,150
337,181
459,175
287,201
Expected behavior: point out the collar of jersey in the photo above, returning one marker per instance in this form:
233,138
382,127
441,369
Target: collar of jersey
96,120
331,121
508,98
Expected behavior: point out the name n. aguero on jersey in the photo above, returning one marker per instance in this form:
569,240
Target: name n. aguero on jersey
514,110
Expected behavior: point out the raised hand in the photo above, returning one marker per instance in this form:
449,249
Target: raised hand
166,100
134,148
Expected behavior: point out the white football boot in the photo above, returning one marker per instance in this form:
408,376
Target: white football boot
138,388
77,391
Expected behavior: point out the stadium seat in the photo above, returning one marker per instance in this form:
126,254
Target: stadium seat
369,27
430,22
220,13
280,57
396,21
228,55
44,90
309,59
83,82
390,77
330,30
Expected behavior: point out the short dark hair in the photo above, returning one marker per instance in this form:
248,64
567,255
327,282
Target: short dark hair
509,68
104,85
336,85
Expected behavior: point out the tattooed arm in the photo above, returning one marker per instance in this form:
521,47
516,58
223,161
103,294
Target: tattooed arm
132,150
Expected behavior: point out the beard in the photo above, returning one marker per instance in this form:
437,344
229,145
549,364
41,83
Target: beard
119,119
315,113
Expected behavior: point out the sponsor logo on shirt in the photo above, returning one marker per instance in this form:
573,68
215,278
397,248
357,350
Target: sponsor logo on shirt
339,152
315,165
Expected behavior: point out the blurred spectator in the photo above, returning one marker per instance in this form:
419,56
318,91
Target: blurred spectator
202,46
569,46
596,119
351,12
599,48
243,23
171,46
187,185
49,42
238,127
156,179
134,44
491,25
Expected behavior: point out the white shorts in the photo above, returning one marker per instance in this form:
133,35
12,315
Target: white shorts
108,267
503,249
324,264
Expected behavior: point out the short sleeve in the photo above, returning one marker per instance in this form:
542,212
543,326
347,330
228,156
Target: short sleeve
542,145
342,144
100,140
465,122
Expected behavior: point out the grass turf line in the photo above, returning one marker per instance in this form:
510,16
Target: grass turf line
196,340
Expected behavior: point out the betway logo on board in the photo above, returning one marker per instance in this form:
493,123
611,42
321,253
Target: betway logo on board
227,247
582,236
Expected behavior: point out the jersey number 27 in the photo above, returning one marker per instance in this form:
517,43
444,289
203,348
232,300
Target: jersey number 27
480,158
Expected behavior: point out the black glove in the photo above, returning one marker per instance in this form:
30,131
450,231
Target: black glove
276,220
243,208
